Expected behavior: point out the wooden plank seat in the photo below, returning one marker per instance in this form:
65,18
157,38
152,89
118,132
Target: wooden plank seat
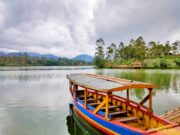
118,113
110,107
129,119
80,92
82,96
94,104
90,100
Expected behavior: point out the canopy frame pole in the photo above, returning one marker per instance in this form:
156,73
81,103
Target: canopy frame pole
107,106
150,99
144,100
85,98
100,106
127,94
70,87
75,87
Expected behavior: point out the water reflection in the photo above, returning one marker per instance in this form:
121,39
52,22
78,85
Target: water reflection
78,126
165,96
164,79
36,101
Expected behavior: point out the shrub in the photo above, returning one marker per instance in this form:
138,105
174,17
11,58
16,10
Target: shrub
163,63
99,61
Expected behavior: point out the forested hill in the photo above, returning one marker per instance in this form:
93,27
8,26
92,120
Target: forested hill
34,59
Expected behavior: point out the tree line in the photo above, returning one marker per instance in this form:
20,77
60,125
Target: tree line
135,50
25,60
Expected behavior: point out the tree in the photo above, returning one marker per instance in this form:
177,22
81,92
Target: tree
111,50
121,45
99,61
174,47
99,54
166,48
100,47
139,48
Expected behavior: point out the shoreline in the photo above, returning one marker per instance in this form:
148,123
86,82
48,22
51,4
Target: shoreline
82,66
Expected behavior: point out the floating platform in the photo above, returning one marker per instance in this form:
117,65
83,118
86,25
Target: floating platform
173,115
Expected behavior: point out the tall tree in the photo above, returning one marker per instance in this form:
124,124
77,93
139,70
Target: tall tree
99,54
100,47
111,51
139,48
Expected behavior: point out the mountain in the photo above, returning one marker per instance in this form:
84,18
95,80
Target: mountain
30,54
84,57
2,53
50,56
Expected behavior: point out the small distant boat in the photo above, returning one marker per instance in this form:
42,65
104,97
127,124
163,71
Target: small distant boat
95,101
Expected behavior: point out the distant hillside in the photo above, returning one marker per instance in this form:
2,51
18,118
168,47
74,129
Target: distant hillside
2,54
30,54
84,57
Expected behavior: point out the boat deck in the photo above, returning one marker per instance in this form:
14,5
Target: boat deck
116,112
173,115
96,102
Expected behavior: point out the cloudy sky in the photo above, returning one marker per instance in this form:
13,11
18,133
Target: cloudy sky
71,27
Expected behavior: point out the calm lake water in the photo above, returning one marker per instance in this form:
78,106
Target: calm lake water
35,100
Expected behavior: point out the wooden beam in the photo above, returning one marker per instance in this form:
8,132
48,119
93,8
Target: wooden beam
107,106
85,98
70,87
100,106
75,86
144,100
127,94
150,99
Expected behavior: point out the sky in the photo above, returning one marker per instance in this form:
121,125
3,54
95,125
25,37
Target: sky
71,27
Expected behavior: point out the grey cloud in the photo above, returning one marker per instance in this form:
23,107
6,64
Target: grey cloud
60,27
154,20
68,28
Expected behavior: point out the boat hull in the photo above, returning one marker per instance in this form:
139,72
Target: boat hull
103,125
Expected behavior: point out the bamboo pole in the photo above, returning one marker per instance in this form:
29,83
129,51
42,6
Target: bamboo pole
70,87
150,99
75,91
100,106
107,106
127,94
85,98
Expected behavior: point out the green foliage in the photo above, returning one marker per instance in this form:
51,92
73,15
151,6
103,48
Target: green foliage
177,61
111,52
99,61
31,61
124,62
99,47
157,55
163,63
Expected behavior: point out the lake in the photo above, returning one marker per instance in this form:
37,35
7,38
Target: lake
35,100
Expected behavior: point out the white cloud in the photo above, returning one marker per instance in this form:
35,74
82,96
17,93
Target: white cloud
68,28
63,28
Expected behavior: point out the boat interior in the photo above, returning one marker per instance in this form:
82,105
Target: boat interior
97,94
121,110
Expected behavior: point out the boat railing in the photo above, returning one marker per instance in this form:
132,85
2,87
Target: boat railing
124,100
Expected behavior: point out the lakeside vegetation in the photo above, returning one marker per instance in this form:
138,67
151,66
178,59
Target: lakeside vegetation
25,60
136,54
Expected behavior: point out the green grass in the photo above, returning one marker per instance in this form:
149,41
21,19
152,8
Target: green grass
167,62
164,63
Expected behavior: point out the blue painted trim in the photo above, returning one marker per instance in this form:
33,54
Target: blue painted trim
93,108
116,128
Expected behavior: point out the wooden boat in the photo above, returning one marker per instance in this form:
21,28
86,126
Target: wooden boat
95,101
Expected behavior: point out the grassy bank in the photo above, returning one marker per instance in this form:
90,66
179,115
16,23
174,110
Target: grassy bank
153,63
163,63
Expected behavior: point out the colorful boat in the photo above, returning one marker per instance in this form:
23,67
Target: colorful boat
96,101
